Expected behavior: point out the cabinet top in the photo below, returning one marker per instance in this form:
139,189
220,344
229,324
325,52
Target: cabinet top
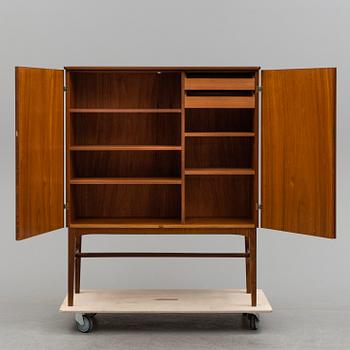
164,68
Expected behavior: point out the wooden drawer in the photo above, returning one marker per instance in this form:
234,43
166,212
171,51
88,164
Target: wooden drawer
219,84
220,101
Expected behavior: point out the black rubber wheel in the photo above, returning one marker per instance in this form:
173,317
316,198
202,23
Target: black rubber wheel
87,326
253,322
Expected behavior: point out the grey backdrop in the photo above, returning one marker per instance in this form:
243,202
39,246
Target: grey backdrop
293,270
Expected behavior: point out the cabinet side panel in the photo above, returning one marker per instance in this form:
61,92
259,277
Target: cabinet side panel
39,151
298,151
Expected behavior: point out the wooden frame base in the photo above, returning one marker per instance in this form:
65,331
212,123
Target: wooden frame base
75,255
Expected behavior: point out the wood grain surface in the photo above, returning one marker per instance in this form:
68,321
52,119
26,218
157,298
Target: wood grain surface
39,151
298,151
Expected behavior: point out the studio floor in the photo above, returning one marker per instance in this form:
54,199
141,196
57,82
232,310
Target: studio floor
38,325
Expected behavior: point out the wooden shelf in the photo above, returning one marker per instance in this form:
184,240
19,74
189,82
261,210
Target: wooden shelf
219,171
219,222
219,134
163,223
125,110
123,222
125,148
126,181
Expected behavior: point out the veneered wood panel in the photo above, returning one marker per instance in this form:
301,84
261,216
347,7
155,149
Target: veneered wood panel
217,196
219,84
165,68
298,151
39,151
220,101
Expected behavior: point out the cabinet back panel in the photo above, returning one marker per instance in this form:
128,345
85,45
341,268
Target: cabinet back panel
126,164
125,90
223,152
126,129
219,196
219,120
124,201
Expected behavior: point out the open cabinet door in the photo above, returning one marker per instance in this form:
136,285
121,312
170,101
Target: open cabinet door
298,151
39,151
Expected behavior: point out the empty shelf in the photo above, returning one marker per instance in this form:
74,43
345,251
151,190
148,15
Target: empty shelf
125,148
125,110
219,134
170,223
219,171
126,181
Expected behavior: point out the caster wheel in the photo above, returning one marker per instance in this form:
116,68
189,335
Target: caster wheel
253,322
86,325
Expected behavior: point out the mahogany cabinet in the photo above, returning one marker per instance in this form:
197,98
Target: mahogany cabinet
174,150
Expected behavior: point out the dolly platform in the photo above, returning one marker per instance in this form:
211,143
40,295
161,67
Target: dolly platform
167,301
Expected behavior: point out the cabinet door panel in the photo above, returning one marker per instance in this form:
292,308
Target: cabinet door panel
298,151
39,151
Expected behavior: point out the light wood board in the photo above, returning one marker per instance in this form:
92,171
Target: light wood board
166,301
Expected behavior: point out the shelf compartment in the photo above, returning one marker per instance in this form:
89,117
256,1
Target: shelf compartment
127,164
125,202
124,110
219,152
219,120
125,148
219,171
219,134
219,84
126,181
126,129
220,101
217,197
124,90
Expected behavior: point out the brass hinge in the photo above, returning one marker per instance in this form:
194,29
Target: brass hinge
259,88
65,206
65,88
258,206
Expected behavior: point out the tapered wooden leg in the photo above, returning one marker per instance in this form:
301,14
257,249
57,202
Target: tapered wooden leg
252,248
71,253
247,265
77,264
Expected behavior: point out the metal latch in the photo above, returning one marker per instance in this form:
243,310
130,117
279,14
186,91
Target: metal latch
259,88
65,88
258,206
65,206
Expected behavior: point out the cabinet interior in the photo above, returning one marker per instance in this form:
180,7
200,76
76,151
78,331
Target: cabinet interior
170,146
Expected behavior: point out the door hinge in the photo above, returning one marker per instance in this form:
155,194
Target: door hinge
259,88
65,88
258,206
66,206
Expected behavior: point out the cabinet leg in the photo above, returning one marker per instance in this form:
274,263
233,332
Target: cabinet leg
247,265
252,248
71,253
77,264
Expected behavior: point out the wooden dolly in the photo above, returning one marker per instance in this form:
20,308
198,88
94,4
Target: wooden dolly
167,301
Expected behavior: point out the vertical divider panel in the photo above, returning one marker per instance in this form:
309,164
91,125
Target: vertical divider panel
68,151
183,116
255,196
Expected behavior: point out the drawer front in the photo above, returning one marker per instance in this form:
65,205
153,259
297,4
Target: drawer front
220,101
219,84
